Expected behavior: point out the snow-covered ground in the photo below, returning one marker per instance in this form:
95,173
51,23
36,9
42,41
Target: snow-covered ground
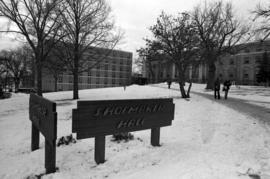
207,140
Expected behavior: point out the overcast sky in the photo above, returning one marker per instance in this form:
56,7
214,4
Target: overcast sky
136,16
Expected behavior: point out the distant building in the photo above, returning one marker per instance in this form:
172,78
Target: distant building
114,70
241,67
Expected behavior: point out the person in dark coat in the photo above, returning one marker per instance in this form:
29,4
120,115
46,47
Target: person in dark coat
226,88
217,88
169,82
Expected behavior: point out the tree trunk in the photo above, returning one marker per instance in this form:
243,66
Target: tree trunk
211,75
181,81
33,75
76,77
55,83
182,90
39,77
189,88
182,84
17,83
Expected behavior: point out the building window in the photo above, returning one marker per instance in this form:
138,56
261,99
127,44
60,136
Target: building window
246,50
231,61
89,80
89,73
60,79
70,87
246,60
126,69
246,76
70,79
80,79
258,49
98,73
231,76
258,59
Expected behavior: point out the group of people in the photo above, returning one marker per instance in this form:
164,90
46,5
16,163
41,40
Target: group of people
226,88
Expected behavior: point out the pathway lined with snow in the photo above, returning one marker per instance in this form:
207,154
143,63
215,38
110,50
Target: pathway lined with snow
207,140
243,106
255,108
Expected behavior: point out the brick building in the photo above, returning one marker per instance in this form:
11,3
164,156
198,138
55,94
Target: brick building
114,70
241,67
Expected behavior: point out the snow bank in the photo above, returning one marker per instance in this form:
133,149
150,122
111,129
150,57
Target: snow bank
206,140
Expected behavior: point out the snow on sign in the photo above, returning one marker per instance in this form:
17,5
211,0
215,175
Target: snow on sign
42,113
100,118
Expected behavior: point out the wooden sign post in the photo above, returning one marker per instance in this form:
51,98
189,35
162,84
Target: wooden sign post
43,115
100,118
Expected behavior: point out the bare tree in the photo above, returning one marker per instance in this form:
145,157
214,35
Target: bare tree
219,32
38,22
55,67
88,25
15,61
263,13
178,41
149,56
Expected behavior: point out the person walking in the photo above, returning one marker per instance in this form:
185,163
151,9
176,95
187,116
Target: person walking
217,88
226,87
169,81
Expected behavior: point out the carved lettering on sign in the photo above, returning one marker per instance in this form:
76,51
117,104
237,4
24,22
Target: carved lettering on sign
136,122
121,110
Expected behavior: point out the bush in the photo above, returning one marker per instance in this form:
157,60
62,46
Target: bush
66,140
126,136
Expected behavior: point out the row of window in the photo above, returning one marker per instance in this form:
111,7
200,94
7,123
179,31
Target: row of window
90,80
113,68
98,74
121,54
105,81
246,60
257,50
62,87
121,61
107,74
245,74
102,72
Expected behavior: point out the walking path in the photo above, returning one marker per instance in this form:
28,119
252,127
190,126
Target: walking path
243,106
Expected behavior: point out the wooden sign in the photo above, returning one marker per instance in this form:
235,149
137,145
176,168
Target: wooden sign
42,113
100,118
